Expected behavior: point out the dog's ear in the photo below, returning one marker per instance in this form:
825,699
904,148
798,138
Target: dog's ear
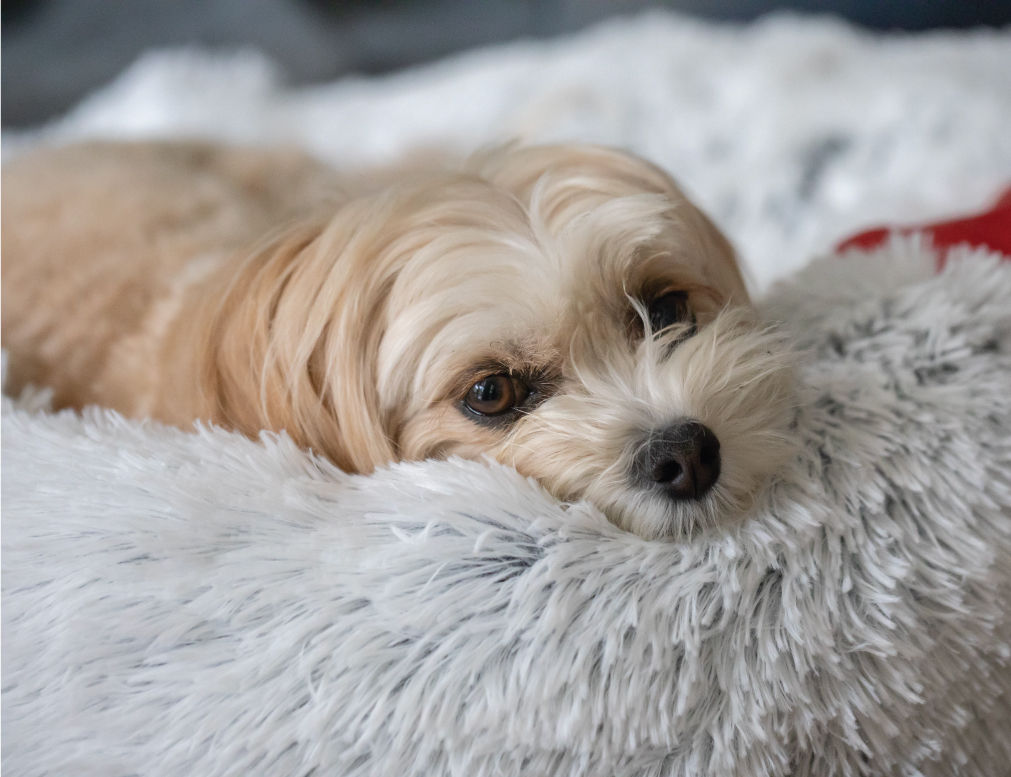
287,339
722,270
700,236
581,174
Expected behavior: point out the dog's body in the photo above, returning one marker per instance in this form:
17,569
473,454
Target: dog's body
511,307
101,244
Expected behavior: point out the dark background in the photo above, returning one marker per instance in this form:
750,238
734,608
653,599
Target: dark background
54,51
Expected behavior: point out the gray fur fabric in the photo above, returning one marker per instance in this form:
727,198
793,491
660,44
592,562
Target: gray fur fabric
201,604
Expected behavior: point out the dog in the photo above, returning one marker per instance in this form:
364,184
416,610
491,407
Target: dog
565,310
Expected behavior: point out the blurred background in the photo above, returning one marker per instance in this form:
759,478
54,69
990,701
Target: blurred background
55,51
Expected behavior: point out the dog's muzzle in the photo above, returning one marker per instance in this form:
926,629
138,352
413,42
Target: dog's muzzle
683,460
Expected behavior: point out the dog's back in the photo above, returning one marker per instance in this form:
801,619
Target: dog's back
97,236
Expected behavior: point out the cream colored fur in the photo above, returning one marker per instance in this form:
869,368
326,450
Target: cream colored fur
255,289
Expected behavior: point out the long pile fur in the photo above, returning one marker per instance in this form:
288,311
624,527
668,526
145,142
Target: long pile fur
203,604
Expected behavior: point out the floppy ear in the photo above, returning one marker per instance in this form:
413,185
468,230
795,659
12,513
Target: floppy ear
594,170
723,268
286,337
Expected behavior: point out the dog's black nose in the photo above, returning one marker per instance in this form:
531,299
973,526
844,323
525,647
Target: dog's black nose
683,459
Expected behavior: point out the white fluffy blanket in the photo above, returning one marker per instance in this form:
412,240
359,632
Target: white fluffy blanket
199,604
792,133
180,604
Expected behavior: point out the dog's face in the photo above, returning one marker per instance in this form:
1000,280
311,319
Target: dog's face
566,311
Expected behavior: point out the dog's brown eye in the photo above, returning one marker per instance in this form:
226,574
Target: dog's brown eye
669,309
496,394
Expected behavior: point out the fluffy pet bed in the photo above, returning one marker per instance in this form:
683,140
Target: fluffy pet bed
180,604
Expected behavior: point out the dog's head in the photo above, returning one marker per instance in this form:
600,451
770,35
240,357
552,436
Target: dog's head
565,310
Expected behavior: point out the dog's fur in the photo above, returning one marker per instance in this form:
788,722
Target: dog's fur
253,289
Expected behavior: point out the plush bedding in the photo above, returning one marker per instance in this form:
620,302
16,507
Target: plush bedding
201,604
204,604
793,132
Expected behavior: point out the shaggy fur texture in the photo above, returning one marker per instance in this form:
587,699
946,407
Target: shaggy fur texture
179,604
197,282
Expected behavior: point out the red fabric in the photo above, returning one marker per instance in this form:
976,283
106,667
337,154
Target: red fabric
991,229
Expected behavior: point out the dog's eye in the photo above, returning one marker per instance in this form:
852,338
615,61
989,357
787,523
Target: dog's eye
496,394
669,309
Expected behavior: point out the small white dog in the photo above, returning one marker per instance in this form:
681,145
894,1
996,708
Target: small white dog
564,309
